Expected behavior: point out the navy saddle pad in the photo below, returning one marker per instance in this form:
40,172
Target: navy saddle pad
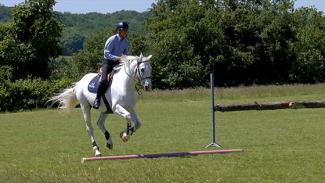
93,84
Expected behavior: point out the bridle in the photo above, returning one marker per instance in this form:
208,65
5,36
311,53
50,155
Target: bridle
138,73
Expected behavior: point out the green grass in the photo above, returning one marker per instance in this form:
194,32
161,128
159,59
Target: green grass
279,146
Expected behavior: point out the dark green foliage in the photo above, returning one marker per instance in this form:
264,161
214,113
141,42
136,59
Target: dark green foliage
5,30
26,46
174,38
243,42
87,59
309,47
28,93
28,43
64,68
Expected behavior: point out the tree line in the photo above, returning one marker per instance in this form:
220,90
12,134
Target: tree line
242,42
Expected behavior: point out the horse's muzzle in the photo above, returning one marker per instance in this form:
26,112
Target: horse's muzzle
147,88
147,85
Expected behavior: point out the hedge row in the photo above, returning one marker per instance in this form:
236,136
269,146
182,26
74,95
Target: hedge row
28,93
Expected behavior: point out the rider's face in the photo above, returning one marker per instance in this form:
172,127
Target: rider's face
123,33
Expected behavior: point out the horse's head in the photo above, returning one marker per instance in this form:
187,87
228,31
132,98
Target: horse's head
144,71
139,69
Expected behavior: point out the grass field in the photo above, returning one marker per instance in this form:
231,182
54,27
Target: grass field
279,146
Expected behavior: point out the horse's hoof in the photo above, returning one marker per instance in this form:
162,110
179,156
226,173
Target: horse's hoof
109,146
124,136
98,154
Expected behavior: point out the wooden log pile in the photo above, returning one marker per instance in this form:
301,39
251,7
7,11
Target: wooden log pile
270,106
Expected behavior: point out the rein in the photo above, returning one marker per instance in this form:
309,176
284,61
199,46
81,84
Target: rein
137,75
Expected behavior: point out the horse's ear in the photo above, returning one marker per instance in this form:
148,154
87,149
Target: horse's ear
146,59
141,55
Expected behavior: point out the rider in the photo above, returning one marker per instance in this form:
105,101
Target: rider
115,47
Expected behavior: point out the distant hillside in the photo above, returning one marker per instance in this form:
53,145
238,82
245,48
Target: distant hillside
79,26
97,20
5,13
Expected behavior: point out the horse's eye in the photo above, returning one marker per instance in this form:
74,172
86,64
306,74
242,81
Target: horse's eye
142,70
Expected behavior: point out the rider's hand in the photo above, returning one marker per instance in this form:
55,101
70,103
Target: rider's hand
118,59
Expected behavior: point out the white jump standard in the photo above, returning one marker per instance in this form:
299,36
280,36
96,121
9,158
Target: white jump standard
213,129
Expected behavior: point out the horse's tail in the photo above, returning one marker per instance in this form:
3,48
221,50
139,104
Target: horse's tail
67,99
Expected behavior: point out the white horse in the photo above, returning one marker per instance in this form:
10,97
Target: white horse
121,96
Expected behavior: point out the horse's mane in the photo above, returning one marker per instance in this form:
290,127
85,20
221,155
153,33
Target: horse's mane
128,58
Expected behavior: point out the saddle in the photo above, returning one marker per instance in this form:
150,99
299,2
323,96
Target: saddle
94,83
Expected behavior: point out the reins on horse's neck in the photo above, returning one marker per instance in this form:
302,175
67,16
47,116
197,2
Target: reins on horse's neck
136,71
127,63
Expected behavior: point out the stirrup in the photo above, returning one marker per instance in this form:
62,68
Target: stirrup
96,103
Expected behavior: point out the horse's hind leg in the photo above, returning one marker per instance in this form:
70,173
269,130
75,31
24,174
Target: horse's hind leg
89,127
101,126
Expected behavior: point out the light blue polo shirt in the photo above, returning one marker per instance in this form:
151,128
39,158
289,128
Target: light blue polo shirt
115,47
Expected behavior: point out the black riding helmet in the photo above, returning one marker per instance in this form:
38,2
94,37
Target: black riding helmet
122,25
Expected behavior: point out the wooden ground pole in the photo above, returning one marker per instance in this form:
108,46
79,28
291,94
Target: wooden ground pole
159,155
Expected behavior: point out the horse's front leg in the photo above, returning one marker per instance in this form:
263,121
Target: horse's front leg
101,126
129,130
130,117
136,122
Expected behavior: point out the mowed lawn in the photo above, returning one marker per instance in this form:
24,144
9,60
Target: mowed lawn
279,145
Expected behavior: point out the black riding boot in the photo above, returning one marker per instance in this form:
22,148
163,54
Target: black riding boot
100,92
96,102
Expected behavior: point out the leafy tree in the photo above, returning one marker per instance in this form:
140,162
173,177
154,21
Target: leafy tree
274,55
35,25
244,42
31,39
309,47
173,31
